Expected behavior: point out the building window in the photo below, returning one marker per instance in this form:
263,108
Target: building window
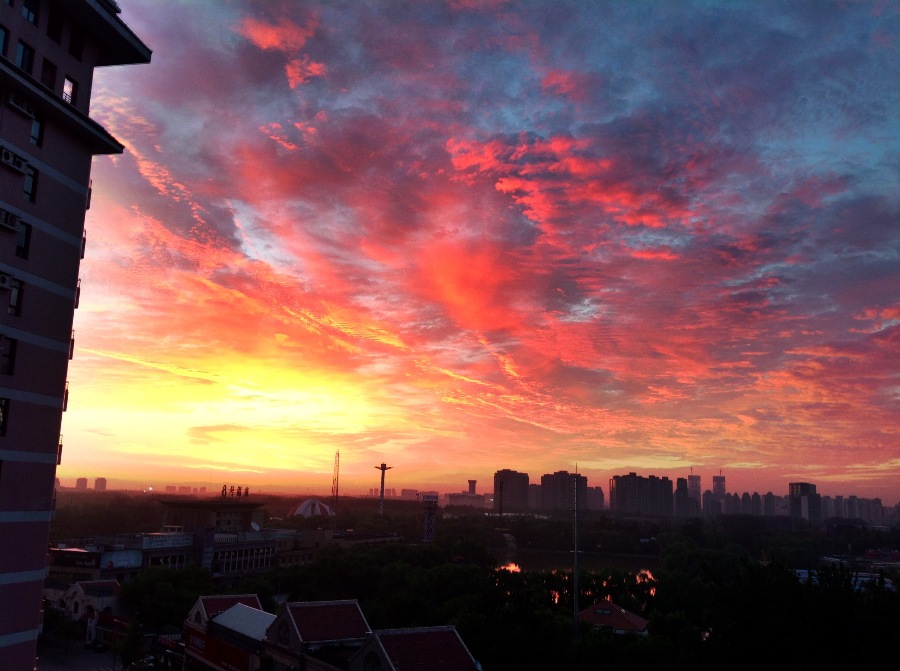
4,40
30,185
48,74
76,42
16,291
30,10
37,132
55,24
4,415
7,354
70,90
23,242
25,57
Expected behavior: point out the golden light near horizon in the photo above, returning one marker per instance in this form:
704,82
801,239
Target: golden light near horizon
519,256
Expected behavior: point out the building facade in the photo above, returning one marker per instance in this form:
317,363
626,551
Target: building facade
510,491
805,503
563,491
48,52
633,494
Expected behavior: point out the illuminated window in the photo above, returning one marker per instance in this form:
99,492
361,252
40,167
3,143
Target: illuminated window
70,90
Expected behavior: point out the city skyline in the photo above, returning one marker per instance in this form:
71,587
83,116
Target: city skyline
213,489
611,238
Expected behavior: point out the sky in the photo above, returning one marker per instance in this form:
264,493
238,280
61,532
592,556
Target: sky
458,236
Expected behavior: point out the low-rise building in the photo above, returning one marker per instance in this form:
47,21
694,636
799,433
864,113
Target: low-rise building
432,648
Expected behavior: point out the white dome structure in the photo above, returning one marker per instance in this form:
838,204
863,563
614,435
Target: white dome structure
311,508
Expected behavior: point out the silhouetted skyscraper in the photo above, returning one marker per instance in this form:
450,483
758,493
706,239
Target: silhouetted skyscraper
558,491
805,503
718,488
510,491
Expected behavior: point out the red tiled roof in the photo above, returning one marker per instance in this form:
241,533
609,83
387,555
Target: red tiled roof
222,602
609,615
426,649
319,621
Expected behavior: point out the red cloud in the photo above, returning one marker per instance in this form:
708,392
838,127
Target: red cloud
300,70
284,36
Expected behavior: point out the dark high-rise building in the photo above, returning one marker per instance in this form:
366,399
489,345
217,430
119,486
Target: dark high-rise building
558,491
685,504
694,489
596,500
718,489
510,491
805,503
48,52
636,495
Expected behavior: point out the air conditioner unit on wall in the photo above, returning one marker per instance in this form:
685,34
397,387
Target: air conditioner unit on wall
12,160
21,104
9,220
5,281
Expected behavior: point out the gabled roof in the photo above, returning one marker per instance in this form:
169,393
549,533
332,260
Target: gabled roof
215,604
608,615
328,621
97,587
251,622
426,649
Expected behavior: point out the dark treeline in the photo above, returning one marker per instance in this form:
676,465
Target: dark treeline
718,594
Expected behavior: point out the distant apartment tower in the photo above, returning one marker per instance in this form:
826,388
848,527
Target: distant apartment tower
510,491
718,489
685,504
805,503
633,494
595,498
48,52
100,484
560,490
694,489
81,484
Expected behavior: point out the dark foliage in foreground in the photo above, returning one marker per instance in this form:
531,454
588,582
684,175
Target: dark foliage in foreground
720,596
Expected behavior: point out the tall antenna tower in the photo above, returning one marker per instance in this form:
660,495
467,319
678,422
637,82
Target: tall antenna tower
384,467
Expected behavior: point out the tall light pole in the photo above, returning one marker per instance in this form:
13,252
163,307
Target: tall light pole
575,587
384,467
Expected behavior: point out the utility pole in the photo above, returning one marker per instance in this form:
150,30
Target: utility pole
335,489
384,467
575,587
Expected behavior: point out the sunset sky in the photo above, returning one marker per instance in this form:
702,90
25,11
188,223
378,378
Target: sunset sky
458,236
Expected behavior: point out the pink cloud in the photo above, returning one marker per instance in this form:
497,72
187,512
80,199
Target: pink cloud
285,35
